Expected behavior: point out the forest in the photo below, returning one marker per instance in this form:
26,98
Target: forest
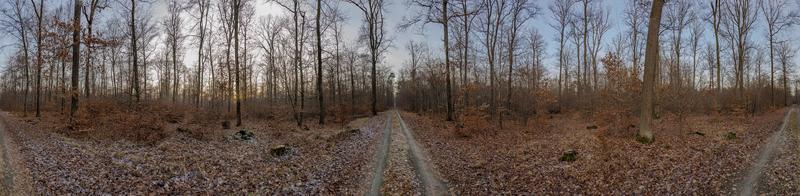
406,97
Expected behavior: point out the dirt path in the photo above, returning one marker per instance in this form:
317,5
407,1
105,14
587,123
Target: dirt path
432,184
749,184
402,166
6,169
381,157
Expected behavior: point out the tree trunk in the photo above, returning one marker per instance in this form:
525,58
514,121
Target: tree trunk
445,21
651,61
320,94
134,51
236,7
76,48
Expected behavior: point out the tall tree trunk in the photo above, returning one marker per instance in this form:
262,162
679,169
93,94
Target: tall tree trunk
236,7
39,25
716,7
134,51
771,67
320,95
445,21
651,61
76,48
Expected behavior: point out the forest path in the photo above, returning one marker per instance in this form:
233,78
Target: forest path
381,157
7,185
402,166
750,183
432,184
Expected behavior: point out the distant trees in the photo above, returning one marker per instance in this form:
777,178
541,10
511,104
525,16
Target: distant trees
202,7
373,11
513,72
742,17
437,12
776,19
173,25
561,12
94,8
520,12
15,24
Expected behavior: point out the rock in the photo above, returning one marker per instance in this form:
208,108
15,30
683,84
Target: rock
730,136
356,130
226,124
590,127
243,135
280,150
569,156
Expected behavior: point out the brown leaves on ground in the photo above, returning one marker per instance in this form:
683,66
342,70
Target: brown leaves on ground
331,159
523,159
782,175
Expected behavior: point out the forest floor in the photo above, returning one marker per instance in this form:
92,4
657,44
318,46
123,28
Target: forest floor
702,154
402,167
395,152
279,159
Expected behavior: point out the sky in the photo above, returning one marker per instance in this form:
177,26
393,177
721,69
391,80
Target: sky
397,10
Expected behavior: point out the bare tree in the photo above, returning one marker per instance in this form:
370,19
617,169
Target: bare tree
437,12
651,61
38,10
94,7
373,11
173,25
636,19
236,6
15,23
203,7
134,53
468,13
598,26
320,95
678,17
785,55
716,21
777,19
490,27
416,50
561,11
696,35
76,49
743,14
521,11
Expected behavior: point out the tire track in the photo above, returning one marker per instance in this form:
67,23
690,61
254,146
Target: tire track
750,183
381,159
402,166
432,184
6,169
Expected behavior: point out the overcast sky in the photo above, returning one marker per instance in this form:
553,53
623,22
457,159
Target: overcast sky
396,11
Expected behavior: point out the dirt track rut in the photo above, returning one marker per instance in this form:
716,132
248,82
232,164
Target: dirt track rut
402,166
